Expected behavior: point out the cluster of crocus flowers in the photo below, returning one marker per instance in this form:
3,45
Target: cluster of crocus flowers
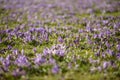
54,36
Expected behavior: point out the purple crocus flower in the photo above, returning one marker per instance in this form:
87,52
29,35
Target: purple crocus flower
34,50
76,41
108,45
22,61
80,31
27,37
55,69
95,36
60,39
60,53
105,21
97,53
105,64
32,30
9,47
46,38
101,34
0,40
39,59
52,61
41,30
6,63
118,47
116,26
58,49
1,59
46,52
103,55
15,51
94,61
108,32
9,30
88,28
18,72
118,55
110,52
16,29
